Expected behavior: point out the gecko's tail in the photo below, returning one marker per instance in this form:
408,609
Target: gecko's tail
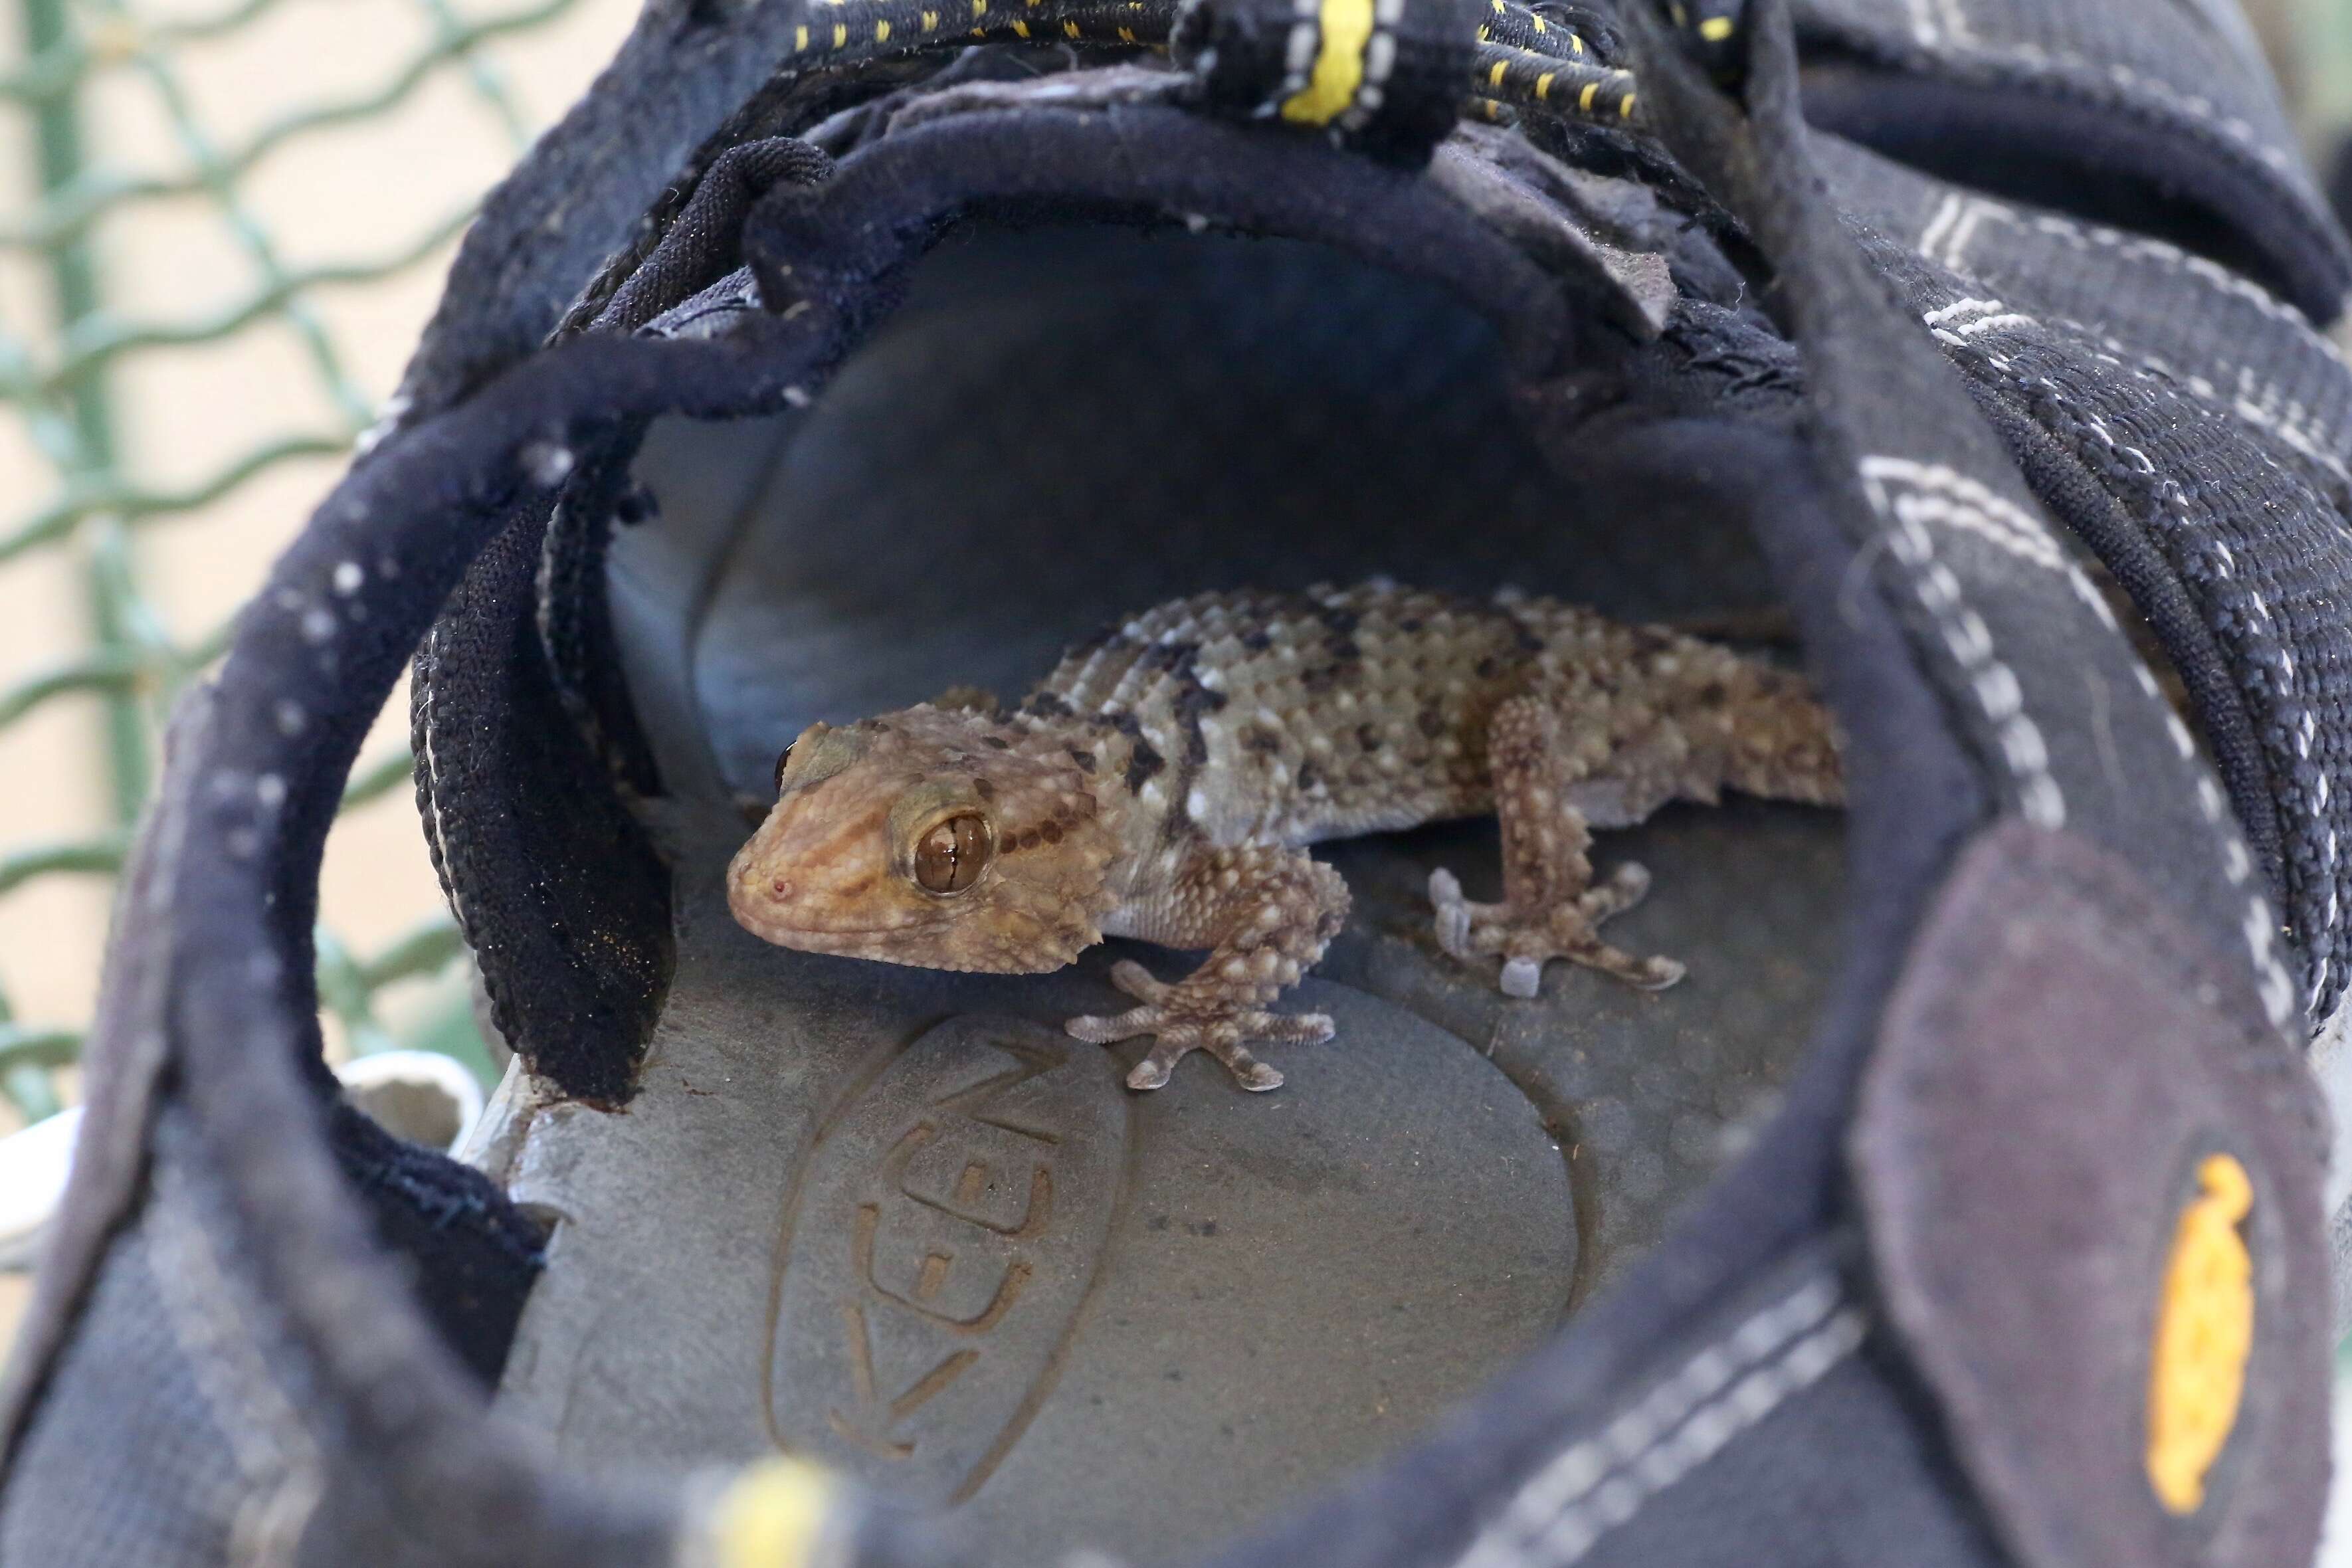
1784,743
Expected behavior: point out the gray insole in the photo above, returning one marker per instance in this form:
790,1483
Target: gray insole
896,1219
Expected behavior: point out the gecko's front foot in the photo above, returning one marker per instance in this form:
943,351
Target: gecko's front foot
1189,1017
1525,938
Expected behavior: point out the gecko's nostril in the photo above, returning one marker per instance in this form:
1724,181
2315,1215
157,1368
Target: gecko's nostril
780,888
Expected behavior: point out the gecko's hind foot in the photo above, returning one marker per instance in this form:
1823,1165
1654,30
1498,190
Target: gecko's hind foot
1186,1019
1526,939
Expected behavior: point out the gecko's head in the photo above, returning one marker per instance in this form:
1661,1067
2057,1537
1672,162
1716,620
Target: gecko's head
931,837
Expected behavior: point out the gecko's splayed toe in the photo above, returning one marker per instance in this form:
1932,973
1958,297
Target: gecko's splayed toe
1249,1072
1527,938
1452,913
1188,1017
1522,978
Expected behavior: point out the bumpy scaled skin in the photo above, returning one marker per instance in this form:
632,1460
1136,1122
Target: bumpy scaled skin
1163,781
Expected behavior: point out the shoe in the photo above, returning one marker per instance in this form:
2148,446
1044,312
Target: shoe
1966,1202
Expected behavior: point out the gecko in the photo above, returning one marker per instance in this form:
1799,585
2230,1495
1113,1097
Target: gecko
1164,781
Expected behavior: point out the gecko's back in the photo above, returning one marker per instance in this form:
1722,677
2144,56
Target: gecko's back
1324,714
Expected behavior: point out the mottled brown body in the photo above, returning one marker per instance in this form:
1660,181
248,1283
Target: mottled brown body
1162,781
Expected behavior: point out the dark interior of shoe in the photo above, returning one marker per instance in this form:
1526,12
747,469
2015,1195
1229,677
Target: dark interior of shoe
896,1220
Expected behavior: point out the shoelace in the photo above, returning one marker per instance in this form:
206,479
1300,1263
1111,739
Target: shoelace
1526,62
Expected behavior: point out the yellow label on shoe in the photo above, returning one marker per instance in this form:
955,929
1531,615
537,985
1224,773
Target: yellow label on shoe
2204,1333
771,1515
1347,28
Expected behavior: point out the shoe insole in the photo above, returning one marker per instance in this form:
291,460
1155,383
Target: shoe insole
897,1221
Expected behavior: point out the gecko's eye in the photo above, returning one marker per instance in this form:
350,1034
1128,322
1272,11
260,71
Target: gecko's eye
782,758
950,856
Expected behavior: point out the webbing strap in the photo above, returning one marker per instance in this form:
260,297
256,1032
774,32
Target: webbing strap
2066,722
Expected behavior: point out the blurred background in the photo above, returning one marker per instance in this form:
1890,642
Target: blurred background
222,224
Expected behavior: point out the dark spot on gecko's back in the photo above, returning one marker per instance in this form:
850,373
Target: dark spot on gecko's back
1409,626
1045,705
1125,724
1310,777
1369,736
1341,621
1195,699
1323,678
1257,641
1489,667
1177,658
1191,701
1051,832
1085,760
983,788
996,743
1260,741
1525,635
1432,721
1141,764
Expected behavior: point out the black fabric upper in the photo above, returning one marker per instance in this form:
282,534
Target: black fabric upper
2150,113
2198,453
1916,386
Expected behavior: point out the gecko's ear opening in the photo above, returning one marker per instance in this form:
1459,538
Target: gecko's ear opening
921,373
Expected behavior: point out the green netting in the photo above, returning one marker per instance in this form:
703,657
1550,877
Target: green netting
56,381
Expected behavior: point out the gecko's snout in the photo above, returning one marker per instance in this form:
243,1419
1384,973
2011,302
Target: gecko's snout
930,837
765,893
834,870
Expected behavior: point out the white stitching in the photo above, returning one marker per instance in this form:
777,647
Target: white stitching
1934,20
2293,429
1962,502
1956,219
270,1446
1933,492
1957,308
2173,261
1380,60
1939,222
2277,990
1598,1484
2002,317
1961,49
1966,504
1954,229
1306,36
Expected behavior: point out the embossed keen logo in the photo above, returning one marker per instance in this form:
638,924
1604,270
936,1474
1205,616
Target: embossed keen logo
2204,1333
942,1236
